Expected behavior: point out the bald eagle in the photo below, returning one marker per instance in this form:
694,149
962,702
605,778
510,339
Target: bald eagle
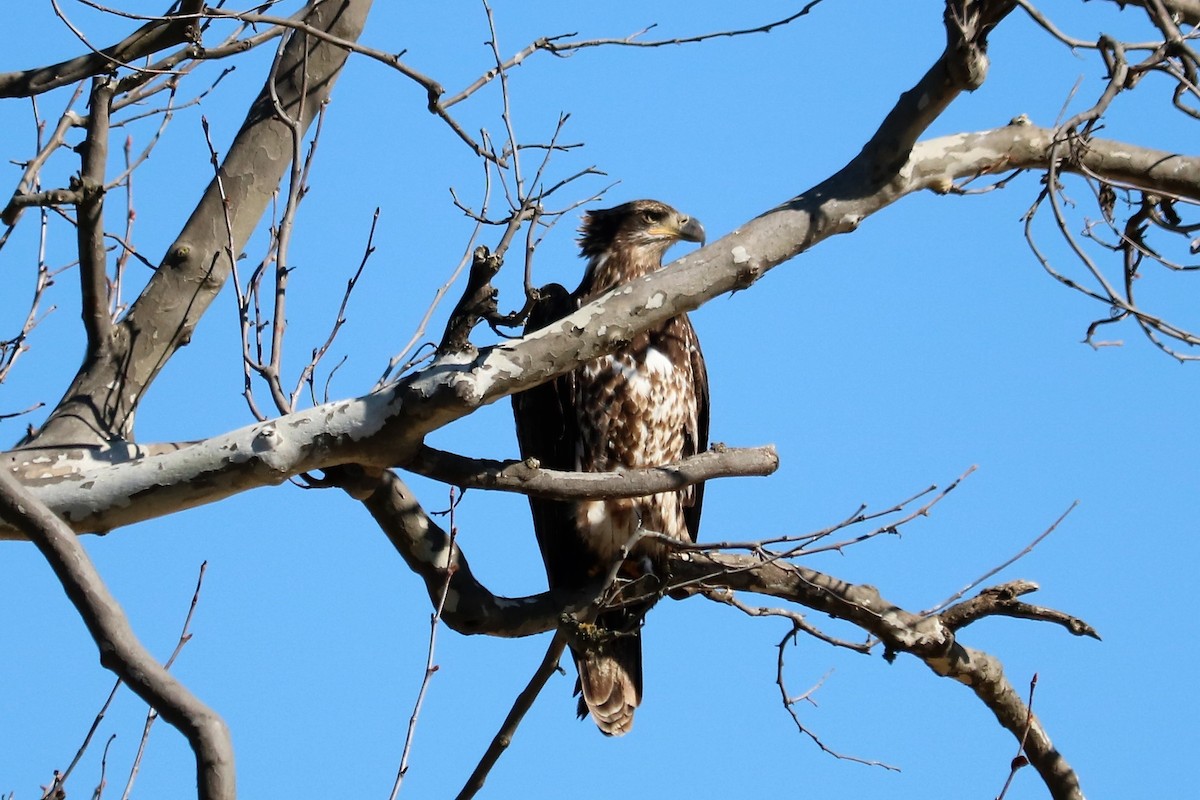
644,405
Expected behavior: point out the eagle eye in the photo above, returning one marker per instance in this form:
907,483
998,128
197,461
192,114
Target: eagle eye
654,215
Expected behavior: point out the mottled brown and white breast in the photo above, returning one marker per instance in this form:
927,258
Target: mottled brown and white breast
633,409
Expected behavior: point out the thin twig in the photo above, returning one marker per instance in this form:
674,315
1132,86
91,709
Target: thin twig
1020,759
789,704
521,706
1019,555
430,666
307,374
185,636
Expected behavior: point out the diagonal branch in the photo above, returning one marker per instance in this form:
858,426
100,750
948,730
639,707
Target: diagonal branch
928,638
146,40
524,701
387,427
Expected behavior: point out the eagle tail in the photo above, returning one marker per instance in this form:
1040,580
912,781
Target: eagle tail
610,682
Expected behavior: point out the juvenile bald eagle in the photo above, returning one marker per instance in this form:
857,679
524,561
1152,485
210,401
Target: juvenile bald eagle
644,405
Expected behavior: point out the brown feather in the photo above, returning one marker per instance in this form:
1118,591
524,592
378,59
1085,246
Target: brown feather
644,405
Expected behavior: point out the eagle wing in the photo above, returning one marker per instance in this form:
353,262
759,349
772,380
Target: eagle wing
548,430
695,433
610,674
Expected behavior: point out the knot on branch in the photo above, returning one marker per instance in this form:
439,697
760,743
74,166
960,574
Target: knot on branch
478,302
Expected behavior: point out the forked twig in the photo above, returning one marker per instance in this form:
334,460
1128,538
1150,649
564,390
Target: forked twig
789,704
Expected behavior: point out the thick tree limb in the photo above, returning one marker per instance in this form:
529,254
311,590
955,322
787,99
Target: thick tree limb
529,478
120,650
469,606
385,428
474,609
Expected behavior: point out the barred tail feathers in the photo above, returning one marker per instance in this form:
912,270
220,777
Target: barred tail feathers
610,682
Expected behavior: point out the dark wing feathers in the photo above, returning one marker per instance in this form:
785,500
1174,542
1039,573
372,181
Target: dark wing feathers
696,440
547,429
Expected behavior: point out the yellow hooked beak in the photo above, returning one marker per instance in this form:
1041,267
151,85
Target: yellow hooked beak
683,228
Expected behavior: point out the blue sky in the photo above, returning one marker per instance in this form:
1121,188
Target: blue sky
879,363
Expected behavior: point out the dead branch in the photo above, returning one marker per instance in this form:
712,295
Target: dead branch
478,302
1002,601
529,478
928,638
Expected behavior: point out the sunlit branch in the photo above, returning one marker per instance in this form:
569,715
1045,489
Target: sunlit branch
527,477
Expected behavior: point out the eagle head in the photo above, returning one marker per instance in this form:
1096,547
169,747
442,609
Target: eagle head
637,224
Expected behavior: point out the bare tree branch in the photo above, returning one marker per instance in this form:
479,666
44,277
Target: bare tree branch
185,636
386,427
29,177
430,666
99,405
1002,601
529,478
120,650
146,40
521,705
928,638
561,46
